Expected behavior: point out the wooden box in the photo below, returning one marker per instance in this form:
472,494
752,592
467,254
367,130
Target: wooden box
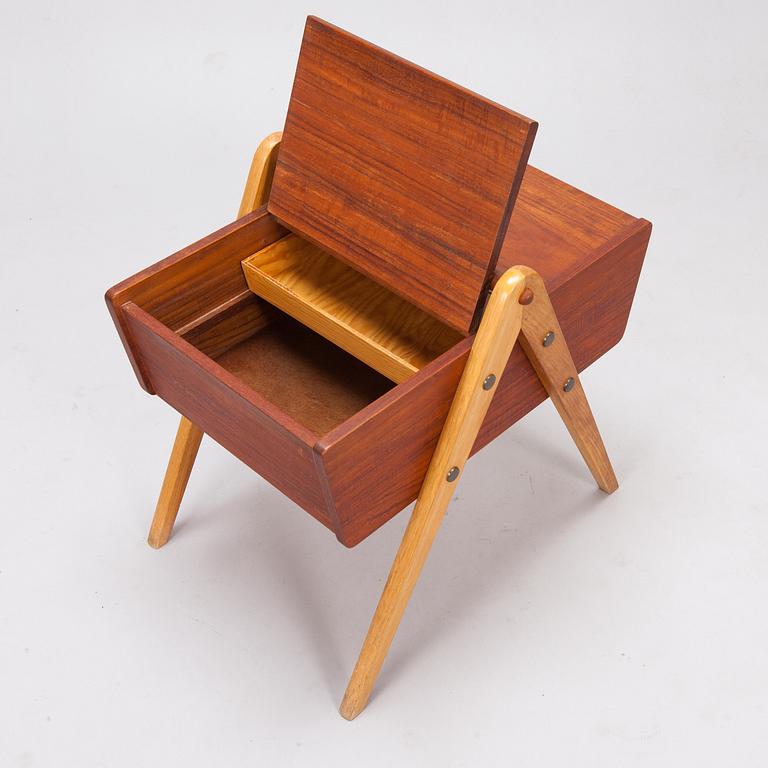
341,440
350,339
406,184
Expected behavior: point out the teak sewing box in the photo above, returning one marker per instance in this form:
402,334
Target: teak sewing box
351,336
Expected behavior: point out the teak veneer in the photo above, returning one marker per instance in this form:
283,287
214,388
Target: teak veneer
352,335
406,176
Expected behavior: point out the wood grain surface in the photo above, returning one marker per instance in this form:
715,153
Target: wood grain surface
546,348
497,334
367,468
406,176
224,407
183,454
181,290
368,487
370,322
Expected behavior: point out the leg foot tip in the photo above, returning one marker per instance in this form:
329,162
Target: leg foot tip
349,710
156,543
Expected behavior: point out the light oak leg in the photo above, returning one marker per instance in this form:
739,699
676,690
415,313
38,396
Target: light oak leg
259,181
189,435
554,365
488,357
182,459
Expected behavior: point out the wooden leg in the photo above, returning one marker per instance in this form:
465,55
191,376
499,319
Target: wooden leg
259,181
496,336
176,476
554,365
189,435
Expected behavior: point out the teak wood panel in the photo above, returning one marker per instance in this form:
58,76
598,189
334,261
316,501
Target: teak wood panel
235,416
558,230
199,279
370,467
367,487
225,327
406,176
370,322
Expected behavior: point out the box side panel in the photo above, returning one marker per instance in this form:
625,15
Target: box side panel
375,463
593,309
279,449
195,281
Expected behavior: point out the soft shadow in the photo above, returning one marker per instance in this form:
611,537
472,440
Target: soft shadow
275,536
316,576
456,583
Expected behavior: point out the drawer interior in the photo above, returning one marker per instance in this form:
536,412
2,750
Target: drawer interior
344,306
306,376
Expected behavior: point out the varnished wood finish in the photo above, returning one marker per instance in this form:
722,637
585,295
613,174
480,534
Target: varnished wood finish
554,366
195,282
231,323
406,176
491,348
559,230
375,325
592,307
412,181
259,182
389,444
371,466
180,465
224,407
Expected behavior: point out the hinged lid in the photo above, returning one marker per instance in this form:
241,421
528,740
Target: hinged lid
407,177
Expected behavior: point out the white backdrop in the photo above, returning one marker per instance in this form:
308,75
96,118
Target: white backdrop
551,626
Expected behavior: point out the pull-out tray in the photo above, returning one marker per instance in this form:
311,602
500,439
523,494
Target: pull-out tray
366,319
332,433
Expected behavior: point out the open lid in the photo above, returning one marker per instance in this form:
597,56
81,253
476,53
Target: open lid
402,174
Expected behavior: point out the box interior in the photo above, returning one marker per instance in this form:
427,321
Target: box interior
308,377
311,380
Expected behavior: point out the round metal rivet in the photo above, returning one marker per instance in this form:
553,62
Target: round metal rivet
548,338
568,386
490,380
453,473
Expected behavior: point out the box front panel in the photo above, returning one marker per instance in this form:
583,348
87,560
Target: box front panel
247,426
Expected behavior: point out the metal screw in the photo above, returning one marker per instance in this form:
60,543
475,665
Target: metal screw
568,386
453,473
490,380
548,338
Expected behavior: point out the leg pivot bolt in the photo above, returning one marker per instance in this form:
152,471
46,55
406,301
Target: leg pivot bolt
568,386
548,338
490,380
453,473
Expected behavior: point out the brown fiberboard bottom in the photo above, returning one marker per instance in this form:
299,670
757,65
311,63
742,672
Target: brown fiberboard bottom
314,382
